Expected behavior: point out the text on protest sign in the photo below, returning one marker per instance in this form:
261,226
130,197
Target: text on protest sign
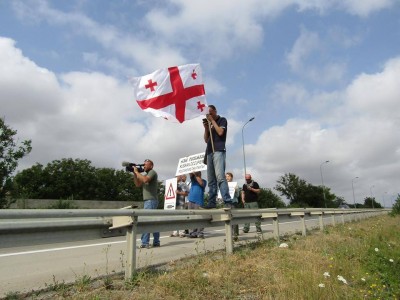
191,164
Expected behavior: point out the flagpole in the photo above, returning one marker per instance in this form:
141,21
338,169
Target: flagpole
211,137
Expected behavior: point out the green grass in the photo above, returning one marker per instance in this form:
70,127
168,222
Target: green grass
365,256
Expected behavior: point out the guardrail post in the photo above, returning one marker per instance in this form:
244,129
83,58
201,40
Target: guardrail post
229,239
130,268
333,219
226,216
321,222
275,222
343,218
303,225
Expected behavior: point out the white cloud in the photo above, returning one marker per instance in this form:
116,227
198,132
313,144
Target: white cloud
24,86
93,116
377,94
362,142
88,116
308,59
366,7
354,7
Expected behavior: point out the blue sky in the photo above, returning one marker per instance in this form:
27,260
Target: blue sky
321,78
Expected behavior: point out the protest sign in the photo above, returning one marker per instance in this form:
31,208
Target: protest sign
191,164
232,186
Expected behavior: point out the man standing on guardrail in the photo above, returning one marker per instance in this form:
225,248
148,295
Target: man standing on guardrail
215,131
148,181
250,192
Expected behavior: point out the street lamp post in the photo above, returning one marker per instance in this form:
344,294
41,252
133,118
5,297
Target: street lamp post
352,186
372,197
384,204
322,179
244,156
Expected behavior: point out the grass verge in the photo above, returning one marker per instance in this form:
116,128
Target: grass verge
351,261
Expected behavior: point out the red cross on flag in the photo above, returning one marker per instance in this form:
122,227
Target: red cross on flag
176,93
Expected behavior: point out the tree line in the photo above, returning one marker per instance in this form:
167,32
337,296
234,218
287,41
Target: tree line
77,179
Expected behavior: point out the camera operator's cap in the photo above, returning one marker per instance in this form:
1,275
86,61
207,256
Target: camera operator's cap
149,160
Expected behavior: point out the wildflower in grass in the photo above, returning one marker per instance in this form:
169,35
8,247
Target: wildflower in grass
376,250
326,274
283,245
340,278
363,279
321,285
391,260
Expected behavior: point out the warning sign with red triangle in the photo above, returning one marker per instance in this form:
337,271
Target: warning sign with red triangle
170,193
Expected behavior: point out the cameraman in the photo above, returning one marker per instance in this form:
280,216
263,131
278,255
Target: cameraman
148,181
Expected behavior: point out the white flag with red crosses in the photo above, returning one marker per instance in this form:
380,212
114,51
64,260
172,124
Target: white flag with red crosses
176,93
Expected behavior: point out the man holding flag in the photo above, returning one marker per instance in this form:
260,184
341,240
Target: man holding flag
215,130
178,94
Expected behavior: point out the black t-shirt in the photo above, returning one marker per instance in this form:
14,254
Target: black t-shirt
250,196
219,141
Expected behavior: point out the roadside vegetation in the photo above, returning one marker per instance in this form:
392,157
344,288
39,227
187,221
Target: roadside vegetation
359,260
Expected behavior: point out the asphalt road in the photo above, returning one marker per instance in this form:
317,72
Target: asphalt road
38,266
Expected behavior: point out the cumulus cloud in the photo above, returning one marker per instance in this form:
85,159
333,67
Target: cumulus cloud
92,115
86,115
307,58
361,142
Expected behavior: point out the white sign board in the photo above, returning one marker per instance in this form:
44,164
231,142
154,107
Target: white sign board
191,164
232,186
170,194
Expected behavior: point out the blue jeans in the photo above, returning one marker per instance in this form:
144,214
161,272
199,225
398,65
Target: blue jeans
150,204
216,178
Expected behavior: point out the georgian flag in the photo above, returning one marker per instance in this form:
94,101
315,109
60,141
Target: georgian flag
176,93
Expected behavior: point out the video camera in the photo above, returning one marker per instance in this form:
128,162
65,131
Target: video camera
129,166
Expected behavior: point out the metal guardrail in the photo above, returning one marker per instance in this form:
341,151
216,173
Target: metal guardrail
137,221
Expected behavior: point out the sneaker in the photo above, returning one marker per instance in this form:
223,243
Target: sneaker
201,236
173,235
156,245
245,231
210,207
228,205
144,246
193,236
182,235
